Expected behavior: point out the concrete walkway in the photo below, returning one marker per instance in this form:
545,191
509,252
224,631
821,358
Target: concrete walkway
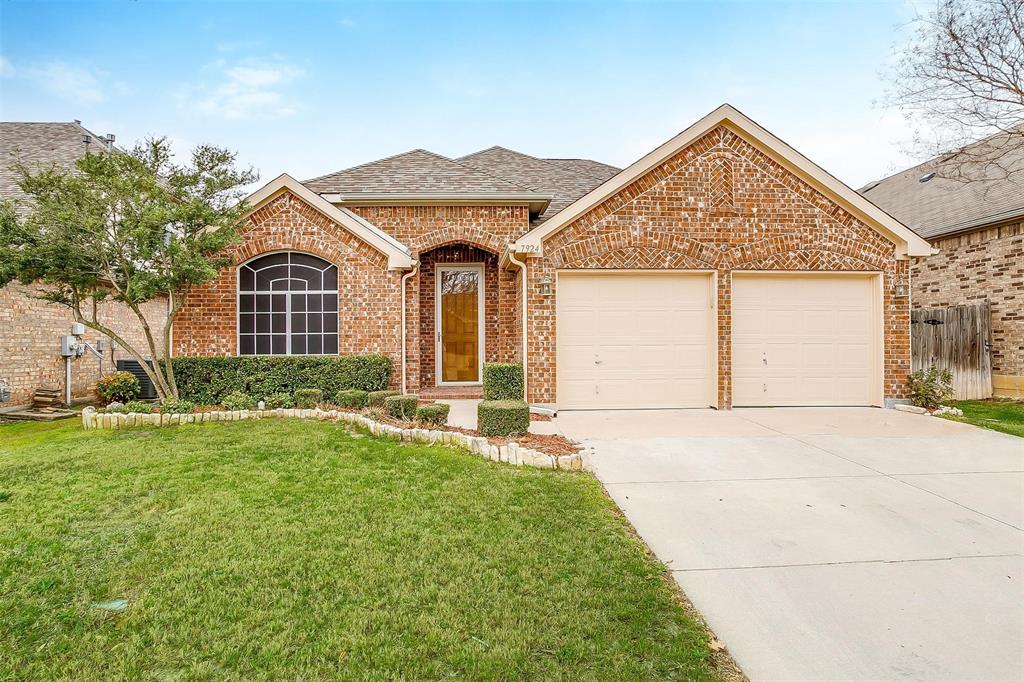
830,543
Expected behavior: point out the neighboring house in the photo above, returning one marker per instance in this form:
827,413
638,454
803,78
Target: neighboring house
977,223
721,269
30,328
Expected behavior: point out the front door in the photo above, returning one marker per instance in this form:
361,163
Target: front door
460,331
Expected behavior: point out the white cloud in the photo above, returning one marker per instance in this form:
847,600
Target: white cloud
246,90
78,84
346,23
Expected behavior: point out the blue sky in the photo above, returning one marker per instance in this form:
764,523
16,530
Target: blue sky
312,87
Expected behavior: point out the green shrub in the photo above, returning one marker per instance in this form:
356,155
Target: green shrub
435,414
176,406
138,407
930,387
236,400
401,406
503,381
377,398
208,380
308,398
276,401
119,387
352,398
502,417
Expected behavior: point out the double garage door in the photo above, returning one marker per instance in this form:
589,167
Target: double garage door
649,340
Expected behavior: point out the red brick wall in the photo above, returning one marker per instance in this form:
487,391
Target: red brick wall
455,234
369,294
987,263
369,297
30,342
720,204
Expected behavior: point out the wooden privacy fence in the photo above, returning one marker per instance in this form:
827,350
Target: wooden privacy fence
957,338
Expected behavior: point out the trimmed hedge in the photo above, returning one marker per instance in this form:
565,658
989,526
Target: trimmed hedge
401,406
283,401
236,400
435,414
377,398
352,398
308,398
502,417
207,380
503,381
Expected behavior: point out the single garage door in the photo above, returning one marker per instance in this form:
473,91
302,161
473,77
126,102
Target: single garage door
635,340
805,340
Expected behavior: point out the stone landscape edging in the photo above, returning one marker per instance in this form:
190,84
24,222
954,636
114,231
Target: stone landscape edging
512,453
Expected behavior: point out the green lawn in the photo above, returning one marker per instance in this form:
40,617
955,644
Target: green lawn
297,550
1000,415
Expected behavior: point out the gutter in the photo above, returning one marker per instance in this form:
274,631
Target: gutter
522,271
405,279
537,202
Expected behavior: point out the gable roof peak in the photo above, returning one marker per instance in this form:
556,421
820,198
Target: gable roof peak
907,242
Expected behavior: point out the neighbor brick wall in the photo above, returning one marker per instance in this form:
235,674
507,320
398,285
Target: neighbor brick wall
30,331
984,264
720,204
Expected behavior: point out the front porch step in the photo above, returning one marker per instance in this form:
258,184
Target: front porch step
452,393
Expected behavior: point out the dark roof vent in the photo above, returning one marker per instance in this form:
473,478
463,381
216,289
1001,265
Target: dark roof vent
926,177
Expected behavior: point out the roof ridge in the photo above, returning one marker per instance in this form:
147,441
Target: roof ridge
535,158
492,175
370,163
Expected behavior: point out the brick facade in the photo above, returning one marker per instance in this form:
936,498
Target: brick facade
978,265
721,205
718,205
369,294
30,342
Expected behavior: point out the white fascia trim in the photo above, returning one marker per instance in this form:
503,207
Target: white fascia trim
399,257
907,242
536,202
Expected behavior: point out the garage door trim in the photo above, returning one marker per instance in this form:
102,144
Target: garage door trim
875,277
712,319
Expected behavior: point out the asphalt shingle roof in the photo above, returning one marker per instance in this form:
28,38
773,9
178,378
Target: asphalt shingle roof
941,206
39,146
416,172
564,182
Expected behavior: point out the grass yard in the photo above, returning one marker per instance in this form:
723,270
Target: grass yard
297,550
999,415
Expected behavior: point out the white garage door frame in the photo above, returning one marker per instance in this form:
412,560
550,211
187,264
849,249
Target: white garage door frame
877,369
711,364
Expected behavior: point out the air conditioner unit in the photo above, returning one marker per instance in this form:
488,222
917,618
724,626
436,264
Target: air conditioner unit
146,389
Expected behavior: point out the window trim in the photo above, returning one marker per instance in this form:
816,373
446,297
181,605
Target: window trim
288,312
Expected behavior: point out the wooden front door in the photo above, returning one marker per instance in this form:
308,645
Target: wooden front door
460,291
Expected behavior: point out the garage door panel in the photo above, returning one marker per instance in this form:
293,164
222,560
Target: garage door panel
804,340
650,338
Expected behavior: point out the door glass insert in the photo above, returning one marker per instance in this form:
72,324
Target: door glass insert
459,293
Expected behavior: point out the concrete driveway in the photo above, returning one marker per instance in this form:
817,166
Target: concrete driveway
833,543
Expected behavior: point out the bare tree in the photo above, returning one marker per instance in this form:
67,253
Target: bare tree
961,75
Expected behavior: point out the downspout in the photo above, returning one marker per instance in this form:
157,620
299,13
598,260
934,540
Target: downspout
522,289
405,278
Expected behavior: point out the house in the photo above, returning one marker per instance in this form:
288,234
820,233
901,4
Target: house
973,213
721,269
30,328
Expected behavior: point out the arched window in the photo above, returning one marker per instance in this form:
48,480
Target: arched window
287,305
